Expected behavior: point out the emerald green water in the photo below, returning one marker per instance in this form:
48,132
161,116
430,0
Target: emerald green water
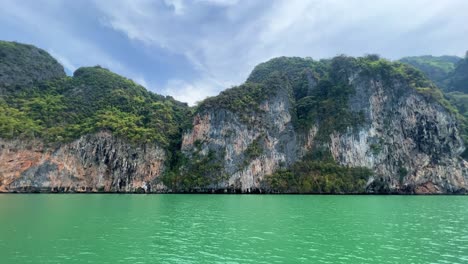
98,228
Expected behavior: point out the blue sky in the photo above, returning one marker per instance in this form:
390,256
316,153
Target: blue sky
193,49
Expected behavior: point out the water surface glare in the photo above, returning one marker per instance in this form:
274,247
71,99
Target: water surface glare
107,228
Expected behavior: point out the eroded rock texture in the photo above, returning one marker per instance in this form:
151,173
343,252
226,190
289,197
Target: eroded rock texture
93,163
411,142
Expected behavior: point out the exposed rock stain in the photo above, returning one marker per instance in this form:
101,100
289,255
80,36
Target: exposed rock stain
93,163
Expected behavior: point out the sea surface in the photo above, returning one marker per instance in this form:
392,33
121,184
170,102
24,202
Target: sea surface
109,228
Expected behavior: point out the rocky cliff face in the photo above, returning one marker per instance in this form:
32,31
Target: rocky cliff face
250,148
409,140
93,163
51,127
411,143
296,125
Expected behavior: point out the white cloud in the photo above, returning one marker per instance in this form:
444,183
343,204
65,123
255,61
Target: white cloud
46,28
192,92
66,63
226,50
219,2
225,39
178,5
69,48
141,81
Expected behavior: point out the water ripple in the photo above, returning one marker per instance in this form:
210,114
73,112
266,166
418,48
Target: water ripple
233,229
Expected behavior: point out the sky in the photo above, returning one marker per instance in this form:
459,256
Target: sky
194,49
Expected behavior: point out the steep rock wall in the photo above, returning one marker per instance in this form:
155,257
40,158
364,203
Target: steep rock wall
93,163
270,129
411,143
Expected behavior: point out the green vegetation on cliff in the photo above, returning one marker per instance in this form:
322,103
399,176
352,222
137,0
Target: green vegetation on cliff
321,88
21,66
301,73
318,176
460,101
319,94
450,73
245,100
241,99
324,102
457,80
57,108
196,172
17,124
435,68
39,102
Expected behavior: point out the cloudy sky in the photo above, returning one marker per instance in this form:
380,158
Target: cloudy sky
193,49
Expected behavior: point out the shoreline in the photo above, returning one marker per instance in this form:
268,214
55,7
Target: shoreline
244,193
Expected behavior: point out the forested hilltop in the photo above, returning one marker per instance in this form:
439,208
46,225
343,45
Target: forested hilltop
340,125
40,101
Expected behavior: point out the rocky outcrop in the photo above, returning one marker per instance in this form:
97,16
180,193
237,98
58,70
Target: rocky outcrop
269,131
94,163
410,141
334,122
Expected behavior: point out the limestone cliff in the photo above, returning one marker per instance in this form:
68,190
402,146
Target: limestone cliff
411,142
344,125
94,163
250,148
95,131
407,138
